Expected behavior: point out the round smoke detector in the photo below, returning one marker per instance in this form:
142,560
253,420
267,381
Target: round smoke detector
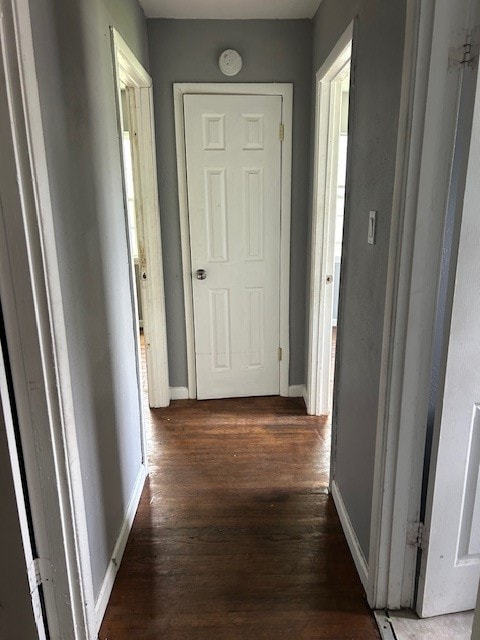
230,62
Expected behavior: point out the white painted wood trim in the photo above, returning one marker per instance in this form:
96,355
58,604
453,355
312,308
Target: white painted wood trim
352,540
285,90
286,203
130,72
389,500
150,249
319,343
129,67
458,160
179,393
428,116
296,391
33,308
185,241
337,57
6,422
119,548
305,395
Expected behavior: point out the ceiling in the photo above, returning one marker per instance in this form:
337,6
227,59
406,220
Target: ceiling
230,9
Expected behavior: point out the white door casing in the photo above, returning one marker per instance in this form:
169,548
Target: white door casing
450,568
35,332
432,77
21,497
327,127
130,73
233,152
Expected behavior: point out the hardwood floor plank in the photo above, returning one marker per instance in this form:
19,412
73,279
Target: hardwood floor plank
236,536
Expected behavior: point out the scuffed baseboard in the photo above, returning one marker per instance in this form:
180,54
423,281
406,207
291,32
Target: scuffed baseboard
297,391
114,564
352,540
178,393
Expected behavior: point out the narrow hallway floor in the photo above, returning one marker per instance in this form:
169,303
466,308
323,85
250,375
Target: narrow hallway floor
236,537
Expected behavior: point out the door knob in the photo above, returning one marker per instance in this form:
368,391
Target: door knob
201,274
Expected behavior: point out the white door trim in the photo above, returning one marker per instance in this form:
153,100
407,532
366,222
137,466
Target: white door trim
7,422
131,73
428,120
389,556
36,335
285,90
318,355
461,151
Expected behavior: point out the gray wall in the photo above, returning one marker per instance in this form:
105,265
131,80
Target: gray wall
272,51
376,95
75,72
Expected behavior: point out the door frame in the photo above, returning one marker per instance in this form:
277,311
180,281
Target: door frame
318,399
129,71
432,600
436,33
462,148
285,91
14,454
37,344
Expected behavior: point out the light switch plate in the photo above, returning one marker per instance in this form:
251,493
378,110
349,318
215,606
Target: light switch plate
372,226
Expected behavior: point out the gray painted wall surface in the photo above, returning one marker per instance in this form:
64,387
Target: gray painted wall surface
272,51
376,96
16,614
75,72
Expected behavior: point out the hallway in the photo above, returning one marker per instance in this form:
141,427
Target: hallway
235,536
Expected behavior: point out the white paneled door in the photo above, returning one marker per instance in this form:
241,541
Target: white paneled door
233,152
450,567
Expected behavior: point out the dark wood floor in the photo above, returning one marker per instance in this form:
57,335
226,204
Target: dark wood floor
236,537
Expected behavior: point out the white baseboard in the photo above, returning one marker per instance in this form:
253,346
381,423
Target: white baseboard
305,396
119,548
178,393
296,391
351,536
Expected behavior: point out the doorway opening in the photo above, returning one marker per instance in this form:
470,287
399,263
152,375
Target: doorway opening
331,144
131,199
136,133
341,88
